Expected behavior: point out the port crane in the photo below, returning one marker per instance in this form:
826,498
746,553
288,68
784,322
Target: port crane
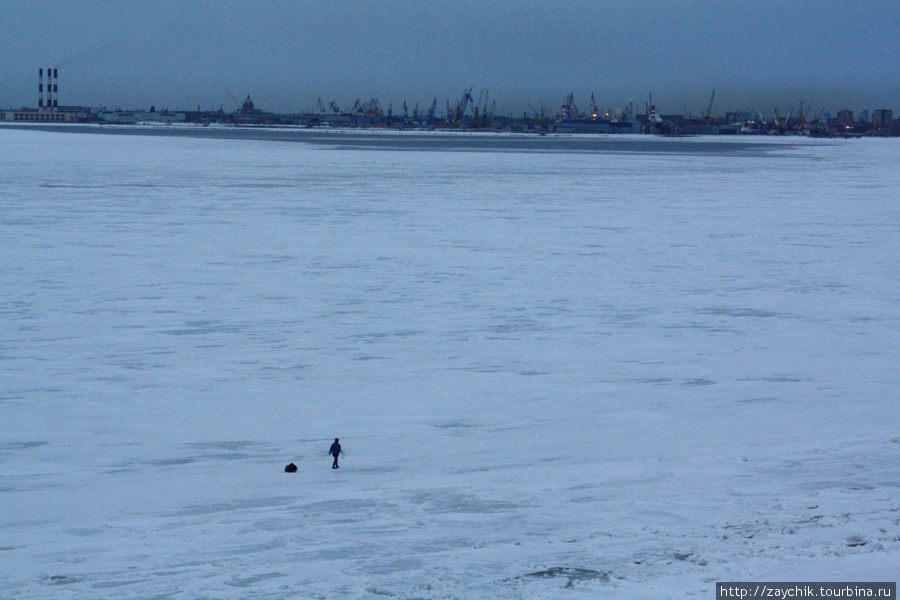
569,110
818,116
459,111
487,111
237,103
710,107
372,108
801,114
542,116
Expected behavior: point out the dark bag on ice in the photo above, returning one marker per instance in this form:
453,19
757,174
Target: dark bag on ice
291,468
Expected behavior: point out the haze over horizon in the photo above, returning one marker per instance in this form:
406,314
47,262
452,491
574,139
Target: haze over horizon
286,55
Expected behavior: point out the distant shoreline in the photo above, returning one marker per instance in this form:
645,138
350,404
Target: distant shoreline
440,140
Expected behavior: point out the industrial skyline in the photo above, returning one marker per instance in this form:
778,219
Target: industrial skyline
288,55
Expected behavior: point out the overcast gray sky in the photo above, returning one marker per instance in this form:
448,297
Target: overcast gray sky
756,54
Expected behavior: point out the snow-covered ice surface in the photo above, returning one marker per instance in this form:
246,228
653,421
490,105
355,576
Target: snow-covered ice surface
560,368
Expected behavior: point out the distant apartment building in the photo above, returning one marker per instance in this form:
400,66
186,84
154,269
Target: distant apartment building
882,119
845,117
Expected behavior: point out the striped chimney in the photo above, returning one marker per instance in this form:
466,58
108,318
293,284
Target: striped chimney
50,88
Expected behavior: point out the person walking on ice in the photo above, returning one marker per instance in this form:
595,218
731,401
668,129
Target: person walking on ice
335,452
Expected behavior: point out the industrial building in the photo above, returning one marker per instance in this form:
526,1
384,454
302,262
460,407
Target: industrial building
131,117
32,115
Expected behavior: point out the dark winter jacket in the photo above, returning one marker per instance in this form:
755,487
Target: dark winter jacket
335,449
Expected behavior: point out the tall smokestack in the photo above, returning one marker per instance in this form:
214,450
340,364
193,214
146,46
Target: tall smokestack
55,90
49,88
40,88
